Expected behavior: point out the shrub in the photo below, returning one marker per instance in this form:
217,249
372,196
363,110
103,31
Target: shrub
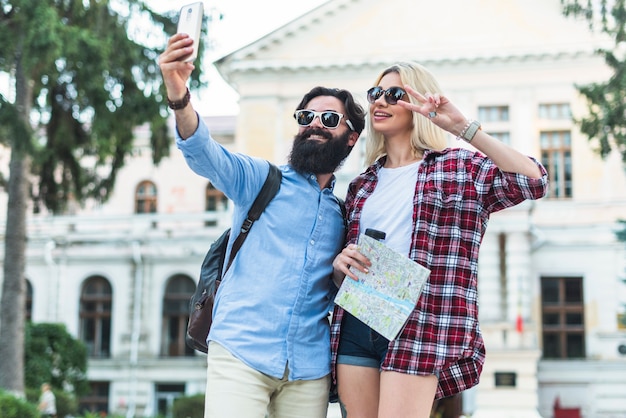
66,403
12,407
189,407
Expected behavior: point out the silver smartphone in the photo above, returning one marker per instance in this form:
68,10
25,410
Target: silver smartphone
190,22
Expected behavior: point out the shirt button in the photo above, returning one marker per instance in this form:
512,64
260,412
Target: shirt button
312,242
319,217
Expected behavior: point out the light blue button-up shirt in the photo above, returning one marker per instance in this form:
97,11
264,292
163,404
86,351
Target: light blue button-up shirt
272,305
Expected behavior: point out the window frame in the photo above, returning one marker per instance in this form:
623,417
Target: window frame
96,402
557,159
554,111
146,197
214,201
175,316
494,113
562,303
95,316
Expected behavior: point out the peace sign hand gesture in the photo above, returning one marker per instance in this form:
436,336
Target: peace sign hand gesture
437,108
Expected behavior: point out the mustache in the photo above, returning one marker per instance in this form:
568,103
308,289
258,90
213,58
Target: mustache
316,131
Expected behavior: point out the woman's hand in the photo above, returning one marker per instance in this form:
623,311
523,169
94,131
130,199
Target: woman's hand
445,115
437,108
347,260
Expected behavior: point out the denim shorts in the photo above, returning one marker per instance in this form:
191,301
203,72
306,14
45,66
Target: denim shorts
359,345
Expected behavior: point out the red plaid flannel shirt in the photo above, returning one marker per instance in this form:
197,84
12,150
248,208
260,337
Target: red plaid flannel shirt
455,192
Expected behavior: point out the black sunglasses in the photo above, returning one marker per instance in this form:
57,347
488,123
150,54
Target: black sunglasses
328,118
392,94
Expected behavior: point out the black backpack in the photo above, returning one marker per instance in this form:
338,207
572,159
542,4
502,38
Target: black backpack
201,303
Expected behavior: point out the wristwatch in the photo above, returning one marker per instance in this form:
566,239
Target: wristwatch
179,104
470,131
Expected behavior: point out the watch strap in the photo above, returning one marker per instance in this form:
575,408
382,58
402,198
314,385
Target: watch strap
179,104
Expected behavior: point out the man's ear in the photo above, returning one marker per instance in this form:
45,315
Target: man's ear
354,136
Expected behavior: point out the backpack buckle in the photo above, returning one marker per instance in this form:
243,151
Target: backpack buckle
245,227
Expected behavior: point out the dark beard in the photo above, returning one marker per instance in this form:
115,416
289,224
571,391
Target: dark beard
310,156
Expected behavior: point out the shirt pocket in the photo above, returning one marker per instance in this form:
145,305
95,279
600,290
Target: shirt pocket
442,196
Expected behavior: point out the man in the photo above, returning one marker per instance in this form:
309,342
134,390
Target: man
269,342
47,402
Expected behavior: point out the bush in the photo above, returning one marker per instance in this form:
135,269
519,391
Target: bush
53,355
12,407
189,407
66,403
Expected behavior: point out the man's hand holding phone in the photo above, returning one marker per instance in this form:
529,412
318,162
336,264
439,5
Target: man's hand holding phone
176,64
190,22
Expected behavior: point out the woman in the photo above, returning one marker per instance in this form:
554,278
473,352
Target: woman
434,204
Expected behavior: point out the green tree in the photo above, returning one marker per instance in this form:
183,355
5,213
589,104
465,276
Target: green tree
605,124
52,355
81,85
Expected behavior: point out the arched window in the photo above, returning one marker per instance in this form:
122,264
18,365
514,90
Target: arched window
29,301
176,315
215,201
95,316
146,197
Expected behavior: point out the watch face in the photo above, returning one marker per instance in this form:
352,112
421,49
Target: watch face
471,131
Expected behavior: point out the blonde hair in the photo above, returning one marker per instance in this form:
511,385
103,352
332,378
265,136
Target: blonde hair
425,134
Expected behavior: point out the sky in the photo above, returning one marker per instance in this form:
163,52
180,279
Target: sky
242,22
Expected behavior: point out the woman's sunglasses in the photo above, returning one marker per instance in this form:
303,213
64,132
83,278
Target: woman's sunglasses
328,118
392,94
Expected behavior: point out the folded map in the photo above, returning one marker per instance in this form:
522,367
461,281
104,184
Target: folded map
385,296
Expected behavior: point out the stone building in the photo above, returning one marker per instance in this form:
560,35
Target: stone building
551,275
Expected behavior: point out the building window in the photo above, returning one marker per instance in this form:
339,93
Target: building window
215,201
503,137
166,394
556,157
493,113
176,315
95,316
146,198
97,402
562,312
555,111
29,301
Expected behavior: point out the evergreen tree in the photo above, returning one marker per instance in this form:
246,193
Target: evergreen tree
81,85
605,125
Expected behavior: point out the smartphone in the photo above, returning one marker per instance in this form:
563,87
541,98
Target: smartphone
190,22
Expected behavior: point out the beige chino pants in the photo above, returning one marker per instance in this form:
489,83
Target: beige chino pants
237,390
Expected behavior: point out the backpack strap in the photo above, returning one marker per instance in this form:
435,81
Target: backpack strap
267,193
342,206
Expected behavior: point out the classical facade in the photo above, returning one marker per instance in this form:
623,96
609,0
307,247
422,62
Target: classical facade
551,275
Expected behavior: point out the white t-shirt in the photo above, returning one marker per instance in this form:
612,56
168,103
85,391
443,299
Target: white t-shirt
47,403
390,207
